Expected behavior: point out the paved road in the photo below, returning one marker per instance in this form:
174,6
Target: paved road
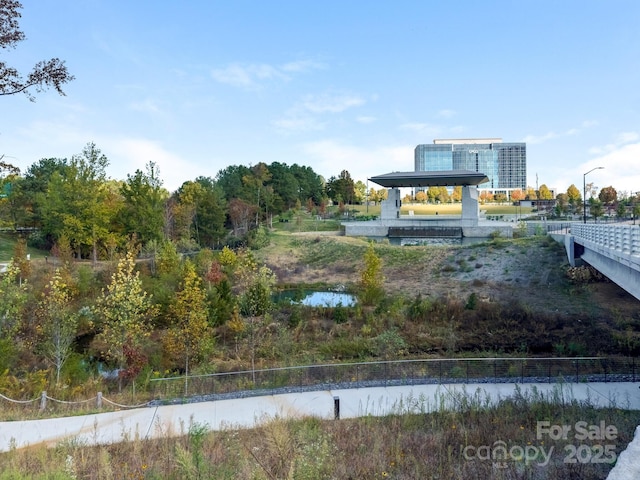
171,420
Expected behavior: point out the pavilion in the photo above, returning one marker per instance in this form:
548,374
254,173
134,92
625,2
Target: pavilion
391,223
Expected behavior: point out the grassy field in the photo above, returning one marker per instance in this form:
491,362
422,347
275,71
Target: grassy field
7,246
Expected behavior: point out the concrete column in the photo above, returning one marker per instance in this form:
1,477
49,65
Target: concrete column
390,208
470,205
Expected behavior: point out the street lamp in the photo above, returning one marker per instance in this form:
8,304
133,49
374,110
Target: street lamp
584,193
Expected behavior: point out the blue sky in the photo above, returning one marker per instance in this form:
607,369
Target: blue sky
198,85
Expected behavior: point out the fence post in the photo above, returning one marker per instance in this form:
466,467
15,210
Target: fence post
336,408
99,400
43,401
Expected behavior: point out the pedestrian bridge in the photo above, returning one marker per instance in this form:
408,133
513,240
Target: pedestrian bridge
613,250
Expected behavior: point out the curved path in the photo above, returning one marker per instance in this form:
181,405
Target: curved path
172,420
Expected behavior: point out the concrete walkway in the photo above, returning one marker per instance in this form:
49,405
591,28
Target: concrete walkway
172,420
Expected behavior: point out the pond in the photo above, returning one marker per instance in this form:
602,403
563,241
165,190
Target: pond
311,298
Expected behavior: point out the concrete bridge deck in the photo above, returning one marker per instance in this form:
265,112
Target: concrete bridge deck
613,250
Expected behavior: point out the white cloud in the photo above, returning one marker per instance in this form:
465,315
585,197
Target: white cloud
304,115
446,113
537,139
246,76
303,66
147,106
329,157
366,119
252,75
426,131
130,154
620,140
328,103
621,170
295,121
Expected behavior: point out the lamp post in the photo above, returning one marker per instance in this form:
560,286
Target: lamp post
584,193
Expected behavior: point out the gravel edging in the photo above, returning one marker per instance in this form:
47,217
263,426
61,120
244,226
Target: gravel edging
612,378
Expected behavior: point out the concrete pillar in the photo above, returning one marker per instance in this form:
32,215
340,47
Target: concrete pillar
470,205
390,208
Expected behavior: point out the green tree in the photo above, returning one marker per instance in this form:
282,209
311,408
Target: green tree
13,296
211,209
125,312
341,188
167,259
79,203
360,190
621,210
189,334
58,323
371,277
596,208
143,204
562,204
45,74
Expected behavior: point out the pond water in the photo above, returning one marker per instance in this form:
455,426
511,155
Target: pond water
317,298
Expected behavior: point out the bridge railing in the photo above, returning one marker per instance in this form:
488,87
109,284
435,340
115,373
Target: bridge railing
402,372
622,238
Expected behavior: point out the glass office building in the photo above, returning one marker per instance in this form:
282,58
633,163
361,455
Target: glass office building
505,164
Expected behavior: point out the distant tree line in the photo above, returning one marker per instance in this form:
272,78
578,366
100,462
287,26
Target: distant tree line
73,200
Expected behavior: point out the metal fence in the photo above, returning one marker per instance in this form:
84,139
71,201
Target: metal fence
403,372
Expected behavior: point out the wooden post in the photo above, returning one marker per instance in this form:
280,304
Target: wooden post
99,400
43,401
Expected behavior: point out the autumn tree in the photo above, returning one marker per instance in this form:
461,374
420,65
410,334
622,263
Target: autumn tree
189,335
45,74
456,196
125,312
371,277
608,195
421,196
574,196
544,193
58,322
531,194
517,195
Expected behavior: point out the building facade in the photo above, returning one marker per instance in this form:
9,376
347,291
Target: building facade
505,164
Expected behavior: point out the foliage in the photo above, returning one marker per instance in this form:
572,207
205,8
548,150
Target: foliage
45,74
371,277
143,204
58,323
79,204
124,311
256,299
608,195
168,259
189,333
13,296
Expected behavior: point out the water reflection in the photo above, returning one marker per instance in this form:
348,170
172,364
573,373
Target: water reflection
318,299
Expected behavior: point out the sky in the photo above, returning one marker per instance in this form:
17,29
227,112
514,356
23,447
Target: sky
199,85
